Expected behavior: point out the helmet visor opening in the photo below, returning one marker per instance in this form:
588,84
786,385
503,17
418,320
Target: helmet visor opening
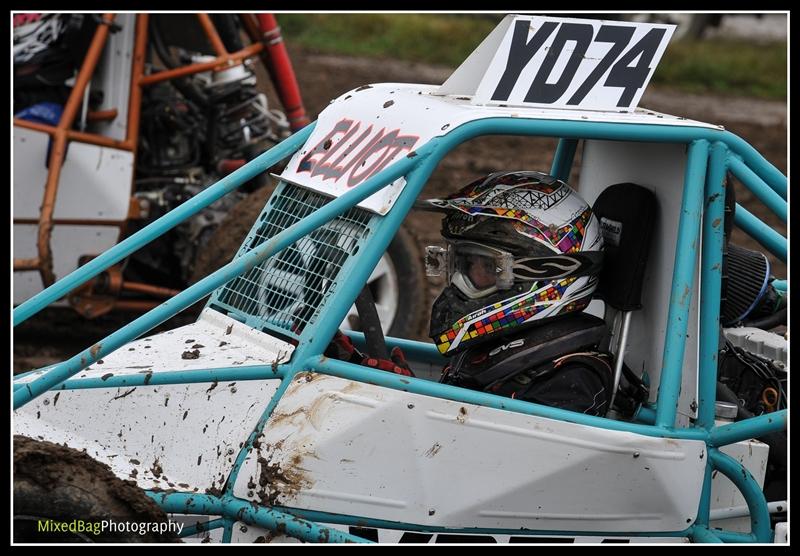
482,269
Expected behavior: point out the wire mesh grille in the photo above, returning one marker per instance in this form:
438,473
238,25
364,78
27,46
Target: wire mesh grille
286,291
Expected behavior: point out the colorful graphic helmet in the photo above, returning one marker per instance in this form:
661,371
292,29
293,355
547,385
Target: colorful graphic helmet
521,247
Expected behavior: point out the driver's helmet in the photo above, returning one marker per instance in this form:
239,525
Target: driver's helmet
522,247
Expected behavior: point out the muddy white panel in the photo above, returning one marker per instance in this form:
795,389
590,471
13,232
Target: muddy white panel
214,340
351,448
183,436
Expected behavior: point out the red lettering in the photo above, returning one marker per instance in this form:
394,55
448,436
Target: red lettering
378,151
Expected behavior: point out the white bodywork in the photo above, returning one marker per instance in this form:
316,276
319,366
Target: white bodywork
182,436
357,120
753,455
351,448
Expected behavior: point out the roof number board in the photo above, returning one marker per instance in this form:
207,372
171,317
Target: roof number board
563,63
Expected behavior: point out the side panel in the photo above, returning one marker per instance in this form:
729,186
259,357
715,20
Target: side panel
182,436
660,168
68,243
95,182
344,447
94,185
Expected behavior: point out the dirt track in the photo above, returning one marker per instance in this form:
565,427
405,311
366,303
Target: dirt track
323,77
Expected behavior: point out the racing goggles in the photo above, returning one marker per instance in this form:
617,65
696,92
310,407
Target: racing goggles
478,270
474,268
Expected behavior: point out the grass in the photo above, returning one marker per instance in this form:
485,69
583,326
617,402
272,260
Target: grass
717,66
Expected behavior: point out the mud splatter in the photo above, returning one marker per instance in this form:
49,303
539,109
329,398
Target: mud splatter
127,393
281,482
194,354
433,450
156,468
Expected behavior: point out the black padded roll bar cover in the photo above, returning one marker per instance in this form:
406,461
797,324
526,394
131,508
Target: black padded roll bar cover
626,213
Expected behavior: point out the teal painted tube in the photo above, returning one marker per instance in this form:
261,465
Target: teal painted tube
221,374
747,485
227,532
755,427
711,284
244,510
759,188
774,242
781,285
734,537
248,445
702,534
563,159
682,284
192,294
203,527
167,222
646,415
353,277
359,373
620,132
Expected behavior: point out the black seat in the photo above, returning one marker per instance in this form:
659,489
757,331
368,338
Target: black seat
627,213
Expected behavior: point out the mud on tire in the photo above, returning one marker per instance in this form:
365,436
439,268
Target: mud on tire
60,483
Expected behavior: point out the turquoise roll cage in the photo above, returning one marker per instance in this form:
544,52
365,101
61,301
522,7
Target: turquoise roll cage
711,154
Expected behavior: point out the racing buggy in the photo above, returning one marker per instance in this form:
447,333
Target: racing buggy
239,424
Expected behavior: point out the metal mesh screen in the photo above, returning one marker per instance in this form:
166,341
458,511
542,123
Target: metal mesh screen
285,291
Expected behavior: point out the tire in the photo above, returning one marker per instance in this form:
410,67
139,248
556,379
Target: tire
405,264
411,318
53,482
